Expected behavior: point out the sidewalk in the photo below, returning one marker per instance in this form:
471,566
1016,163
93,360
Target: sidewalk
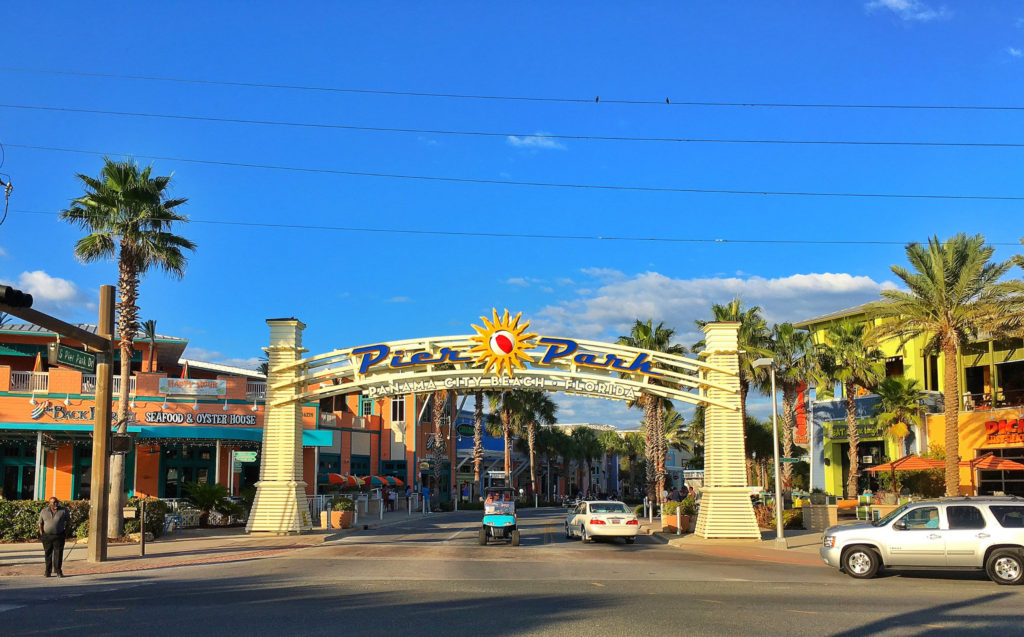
798,546
190,547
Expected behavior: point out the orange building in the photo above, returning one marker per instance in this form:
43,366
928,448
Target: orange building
997,431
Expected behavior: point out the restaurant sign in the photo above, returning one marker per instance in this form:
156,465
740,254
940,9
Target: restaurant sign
1003,432
838,430
193,387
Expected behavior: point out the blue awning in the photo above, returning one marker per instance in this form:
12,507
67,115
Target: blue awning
310,437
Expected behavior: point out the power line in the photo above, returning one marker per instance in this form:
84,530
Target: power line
541,184
519,235
430,131
517,98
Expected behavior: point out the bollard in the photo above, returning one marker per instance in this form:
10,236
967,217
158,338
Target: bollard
408,503
679,520
329,515
380,505
535,504
355,517
142,527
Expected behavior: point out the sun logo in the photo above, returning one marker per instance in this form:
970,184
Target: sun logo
501,343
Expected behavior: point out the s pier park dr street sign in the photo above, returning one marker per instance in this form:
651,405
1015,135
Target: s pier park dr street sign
77,359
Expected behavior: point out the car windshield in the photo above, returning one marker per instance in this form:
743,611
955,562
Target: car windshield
892,516
608,507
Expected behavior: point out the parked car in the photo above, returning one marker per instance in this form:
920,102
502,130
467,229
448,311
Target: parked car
603,518
947,534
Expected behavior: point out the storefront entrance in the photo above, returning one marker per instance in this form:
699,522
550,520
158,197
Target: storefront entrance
18,469
180,464
1006,482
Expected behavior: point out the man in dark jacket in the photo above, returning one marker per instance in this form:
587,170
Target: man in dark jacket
53,524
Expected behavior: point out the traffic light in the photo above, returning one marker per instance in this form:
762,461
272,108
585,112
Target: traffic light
14,298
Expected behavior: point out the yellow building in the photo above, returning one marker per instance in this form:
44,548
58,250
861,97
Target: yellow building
991,381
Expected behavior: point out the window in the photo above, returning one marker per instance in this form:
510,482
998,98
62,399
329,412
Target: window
922,518
608,508
398,409
1009,517
365,406
894,366
964,517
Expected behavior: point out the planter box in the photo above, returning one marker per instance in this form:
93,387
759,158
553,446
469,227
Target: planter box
339,519
818,517
668,523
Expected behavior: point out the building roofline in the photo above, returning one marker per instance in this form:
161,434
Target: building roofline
824,318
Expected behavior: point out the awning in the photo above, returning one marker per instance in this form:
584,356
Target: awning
310,437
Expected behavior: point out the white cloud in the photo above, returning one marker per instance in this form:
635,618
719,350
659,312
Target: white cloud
3,253
910,10
50,294
399,299
565,281
518,280
1014,52
611,308
538,140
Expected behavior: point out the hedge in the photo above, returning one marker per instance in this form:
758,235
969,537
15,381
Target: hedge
19,519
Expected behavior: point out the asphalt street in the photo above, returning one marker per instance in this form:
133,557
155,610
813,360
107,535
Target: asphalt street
428,576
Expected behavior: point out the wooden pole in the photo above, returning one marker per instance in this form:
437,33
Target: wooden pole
101,430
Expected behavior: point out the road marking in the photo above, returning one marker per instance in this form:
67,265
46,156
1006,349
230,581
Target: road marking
710,601
933,625
6,607
598,584
453,535
805,612
89,610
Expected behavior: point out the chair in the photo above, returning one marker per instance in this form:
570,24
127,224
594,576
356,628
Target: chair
863,512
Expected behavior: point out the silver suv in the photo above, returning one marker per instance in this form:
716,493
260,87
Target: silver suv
950,533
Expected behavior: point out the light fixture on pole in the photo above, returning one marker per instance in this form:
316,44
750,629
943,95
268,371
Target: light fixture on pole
67,400
225,404
770,364
32,401
195,405
165,404
254,407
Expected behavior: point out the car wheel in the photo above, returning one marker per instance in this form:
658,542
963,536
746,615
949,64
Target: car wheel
515,538
1004,567
583,534
568,534
630,540
482,538
861,562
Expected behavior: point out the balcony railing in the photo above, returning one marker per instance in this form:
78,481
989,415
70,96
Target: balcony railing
1003,398
34,382
89,384
256,389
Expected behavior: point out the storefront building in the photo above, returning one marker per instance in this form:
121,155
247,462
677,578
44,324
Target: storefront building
996,431
184,429
991,375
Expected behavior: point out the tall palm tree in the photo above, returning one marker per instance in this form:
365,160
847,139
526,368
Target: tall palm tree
149,333
129,217
677,434
507,406
846,357
478,437
753,339
634,447
758,445
954,293
539,409
562,447
612,445
898,407
588,448
795,364
656,338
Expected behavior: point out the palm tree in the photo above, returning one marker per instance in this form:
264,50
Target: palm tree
538,409
562,446
677,434
5,319
613,445
128,217
658,339
899,406
848,359
507,408
478,437
634,446
795,363
149,333
753,339
954,294
588,448
758,445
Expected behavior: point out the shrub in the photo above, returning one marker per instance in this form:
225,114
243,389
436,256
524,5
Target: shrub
19,519
341,503
765,515
638,510
210,496
793,519
669,508
156,509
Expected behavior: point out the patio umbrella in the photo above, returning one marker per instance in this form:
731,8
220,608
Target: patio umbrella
376,481
344,480
907,463
395,481
990,462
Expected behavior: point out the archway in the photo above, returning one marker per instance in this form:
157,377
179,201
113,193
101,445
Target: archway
502,354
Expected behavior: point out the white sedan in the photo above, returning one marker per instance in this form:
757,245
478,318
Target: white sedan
604,518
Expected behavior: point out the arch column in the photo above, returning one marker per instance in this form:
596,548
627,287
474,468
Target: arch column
725,508
280,506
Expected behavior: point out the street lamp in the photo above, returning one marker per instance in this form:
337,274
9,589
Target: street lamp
770,364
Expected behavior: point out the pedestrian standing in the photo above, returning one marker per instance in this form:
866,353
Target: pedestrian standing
426,497
393,499
53,524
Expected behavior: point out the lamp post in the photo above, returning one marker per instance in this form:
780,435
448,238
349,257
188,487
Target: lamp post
770,364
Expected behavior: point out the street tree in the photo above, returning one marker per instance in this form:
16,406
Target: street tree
795,363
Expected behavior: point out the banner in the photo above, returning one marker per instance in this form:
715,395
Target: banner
193,387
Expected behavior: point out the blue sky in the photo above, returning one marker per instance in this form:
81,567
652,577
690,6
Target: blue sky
359,287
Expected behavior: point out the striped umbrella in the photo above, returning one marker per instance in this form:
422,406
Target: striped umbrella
344,480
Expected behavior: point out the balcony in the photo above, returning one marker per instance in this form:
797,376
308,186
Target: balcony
1003,399
256,389
89,385
34,382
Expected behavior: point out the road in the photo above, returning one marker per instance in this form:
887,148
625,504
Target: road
429,576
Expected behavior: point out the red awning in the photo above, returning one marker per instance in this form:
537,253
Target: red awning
909,463
992,462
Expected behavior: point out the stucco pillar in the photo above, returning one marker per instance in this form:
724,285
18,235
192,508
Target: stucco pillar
280,505
725,507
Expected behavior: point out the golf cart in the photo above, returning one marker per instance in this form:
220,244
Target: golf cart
500,516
